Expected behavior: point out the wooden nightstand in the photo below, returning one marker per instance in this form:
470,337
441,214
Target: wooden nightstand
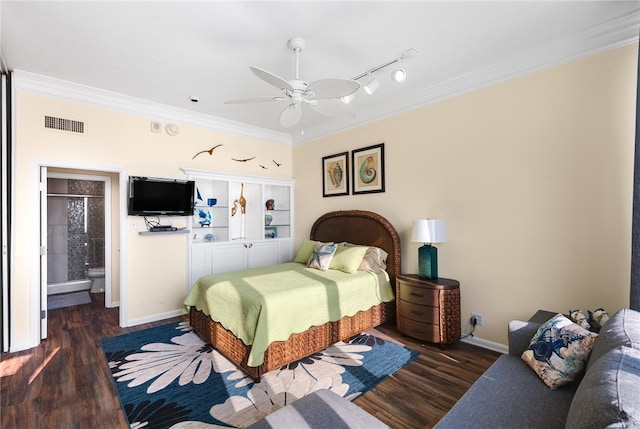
428,309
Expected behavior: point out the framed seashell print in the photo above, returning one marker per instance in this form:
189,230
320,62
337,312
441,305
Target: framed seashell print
335,175
368,169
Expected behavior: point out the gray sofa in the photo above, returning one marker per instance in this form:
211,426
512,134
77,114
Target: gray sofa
510,394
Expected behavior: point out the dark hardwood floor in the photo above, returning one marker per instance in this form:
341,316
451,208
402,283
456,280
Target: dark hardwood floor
65,382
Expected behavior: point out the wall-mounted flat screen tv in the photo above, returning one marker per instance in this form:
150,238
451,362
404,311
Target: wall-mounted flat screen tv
153,196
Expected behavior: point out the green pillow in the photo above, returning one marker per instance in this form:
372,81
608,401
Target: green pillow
304,253
348,258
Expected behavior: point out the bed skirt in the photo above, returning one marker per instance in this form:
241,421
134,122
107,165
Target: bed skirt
300,345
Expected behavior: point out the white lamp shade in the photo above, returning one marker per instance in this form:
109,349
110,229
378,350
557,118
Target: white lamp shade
428,231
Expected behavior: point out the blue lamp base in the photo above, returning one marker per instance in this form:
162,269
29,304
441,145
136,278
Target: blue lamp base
428,262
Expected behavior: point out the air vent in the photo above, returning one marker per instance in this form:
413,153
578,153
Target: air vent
62,124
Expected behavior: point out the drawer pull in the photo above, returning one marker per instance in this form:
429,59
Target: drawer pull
417,313
416,294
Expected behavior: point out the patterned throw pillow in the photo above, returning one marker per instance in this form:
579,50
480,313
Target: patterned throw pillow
321,256
558,351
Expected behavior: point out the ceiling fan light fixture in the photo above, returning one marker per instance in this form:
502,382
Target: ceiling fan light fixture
348,98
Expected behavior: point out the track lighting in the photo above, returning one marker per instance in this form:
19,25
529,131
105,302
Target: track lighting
372,85
398,75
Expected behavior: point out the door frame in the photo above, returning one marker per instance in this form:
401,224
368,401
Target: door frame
35,283
107,224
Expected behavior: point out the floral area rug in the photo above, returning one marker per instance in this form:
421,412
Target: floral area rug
167,377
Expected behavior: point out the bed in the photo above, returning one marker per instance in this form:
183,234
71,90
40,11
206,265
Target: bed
353,226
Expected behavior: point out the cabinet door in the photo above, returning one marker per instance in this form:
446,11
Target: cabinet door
262,254
230,257
200,262
285,251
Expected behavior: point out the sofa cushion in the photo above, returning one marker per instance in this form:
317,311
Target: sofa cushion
622,329
559,350
609,393
510,395
520,334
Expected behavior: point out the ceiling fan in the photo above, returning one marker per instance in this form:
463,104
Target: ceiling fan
322,95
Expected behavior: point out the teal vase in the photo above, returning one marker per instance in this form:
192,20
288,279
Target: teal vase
428,262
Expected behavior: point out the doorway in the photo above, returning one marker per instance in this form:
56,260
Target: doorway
77,220
76,233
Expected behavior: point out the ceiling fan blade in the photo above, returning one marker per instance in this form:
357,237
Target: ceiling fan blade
291,115
334,108
333,88
271,78
255,100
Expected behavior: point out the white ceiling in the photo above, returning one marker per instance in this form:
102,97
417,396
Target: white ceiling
167,51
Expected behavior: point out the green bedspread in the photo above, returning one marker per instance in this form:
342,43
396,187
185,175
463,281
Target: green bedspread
267,304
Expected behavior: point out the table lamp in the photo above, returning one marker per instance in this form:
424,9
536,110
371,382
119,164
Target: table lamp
428,231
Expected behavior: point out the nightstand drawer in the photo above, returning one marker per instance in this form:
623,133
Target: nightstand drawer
419,313
419,295
422,331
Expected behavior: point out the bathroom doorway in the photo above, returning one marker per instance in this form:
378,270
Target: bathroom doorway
78,235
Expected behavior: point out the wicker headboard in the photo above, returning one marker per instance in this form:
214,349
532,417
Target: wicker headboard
364,228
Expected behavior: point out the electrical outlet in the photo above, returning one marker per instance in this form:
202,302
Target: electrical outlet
478,317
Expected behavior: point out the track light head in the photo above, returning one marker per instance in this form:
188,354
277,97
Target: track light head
371,86
398,75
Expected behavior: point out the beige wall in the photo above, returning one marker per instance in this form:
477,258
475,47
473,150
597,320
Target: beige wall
533,178
156,267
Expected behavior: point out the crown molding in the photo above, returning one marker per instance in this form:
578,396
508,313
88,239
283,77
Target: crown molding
610,35
618,32
69,91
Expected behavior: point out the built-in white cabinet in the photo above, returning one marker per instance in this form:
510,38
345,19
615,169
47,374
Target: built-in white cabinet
239,222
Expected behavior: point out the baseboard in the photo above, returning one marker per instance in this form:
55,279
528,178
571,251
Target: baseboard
155,317
486,344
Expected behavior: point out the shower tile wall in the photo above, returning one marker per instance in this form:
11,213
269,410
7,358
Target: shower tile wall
57,244
72,249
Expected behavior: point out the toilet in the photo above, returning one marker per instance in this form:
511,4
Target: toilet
97,279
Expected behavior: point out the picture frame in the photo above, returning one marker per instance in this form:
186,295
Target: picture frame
367,174
335,175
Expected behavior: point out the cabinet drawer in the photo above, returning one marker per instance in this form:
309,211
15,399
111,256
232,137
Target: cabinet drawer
419,313
422,331
419,295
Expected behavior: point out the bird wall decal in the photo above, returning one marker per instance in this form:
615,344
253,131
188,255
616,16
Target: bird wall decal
277,164
209,151
243,160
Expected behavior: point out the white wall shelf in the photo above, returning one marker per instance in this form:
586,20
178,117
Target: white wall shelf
223,241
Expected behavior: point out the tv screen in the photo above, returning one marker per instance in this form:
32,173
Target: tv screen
152,196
